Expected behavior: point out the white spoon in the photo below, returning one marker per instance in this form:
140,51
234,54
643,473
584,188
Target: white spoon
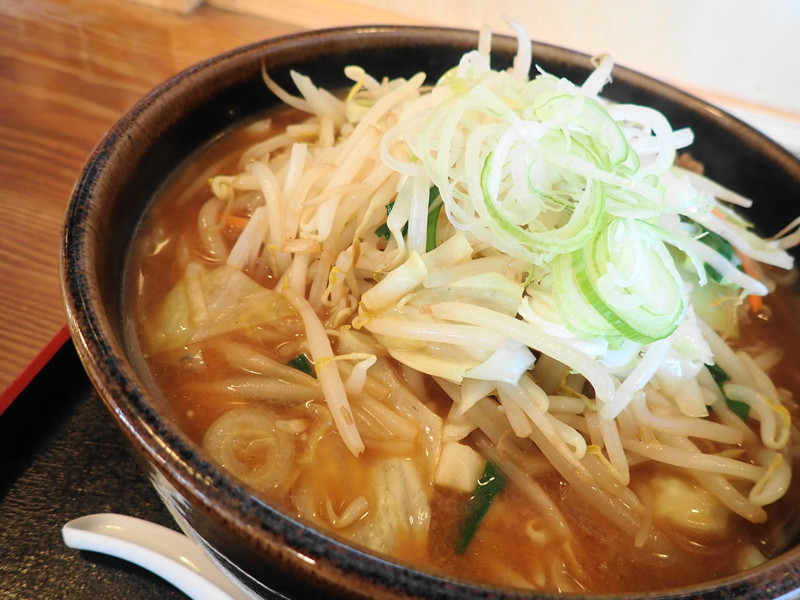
167,553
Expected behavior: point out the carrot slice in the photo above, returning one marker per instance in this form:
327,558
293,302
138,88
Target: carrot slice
756,303
236,222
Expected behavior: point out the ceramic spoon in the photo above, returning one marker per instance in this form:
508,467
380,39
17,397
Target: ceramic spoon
167,553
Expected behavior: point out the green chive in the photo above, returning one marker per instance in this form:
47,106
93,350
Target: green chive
740,409
489,485
301,362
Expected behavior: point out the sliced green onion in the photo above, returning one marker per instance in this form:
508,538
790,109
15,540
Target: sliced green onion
585,215
581,316
587,119
623,283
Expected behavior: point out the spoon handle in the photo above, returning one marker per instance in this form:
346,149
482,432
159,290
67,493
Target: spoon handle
167,553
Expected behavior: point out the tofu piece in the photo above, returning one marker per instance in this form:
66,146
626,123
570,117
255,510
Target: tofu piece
459,467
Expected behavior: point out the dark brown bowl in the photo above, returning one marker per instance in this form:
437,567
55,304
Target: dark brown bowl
268,552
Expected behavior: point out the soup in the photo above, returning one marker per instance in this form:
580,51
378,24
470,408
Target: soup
486,327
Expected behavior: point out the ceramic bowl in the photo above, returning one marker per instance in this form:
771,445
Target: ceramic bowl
270,554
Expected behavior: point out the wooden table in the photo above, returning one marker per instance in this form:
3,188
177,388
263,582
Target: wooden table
68,70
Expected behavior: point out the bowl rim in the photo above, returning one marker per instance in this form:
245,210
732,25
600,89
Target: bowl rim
124,392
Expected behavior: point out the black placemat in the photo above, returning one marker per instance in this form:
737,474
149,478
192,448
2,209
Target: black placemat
61,456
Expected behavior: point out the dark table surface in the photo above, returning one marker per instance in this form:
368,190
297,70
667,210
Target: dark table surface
61,456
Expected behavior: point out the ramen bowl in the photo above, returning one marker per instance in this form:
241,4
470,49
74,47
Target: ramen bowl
268,553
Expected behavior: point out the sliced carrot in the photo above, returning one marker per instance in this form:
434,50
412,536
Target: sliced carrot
236,222
719,213
755,302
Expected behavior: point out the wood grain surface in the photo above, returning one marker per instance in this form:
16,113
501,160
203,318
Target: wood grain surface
68,70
